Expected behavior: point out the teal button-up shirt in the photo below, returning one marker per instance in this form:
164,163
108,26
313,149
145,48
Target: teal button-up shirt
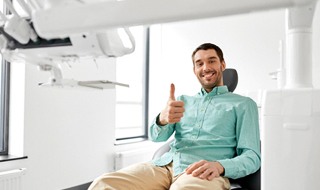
217,126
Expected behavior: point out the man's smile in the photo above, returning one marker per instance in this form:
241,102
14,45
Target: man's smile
208,75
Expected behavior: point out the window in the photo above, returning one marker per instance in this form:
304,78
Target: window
132,102
4,102
4,105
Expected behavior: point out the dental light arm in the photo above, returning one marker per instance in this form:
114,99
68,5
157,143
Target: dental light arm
18,27
25,7
10,7
105,14
20,43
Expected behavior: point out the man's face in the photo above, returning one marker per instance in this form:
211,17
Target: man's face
208,68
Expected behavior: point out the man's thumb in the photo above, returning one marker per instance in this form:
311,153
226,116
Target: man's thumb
172,89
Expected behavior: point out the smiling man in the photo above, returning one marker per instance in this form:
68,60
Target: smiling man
216,136
208,65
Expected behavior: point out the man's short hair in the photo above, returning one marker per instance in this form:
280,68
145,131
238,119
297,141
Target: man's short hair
207,46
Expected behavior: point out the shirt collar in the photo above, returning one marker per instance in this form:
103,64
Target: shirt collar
215,91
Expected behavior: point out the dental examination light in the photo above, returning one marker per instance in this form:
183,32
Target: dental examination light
19,42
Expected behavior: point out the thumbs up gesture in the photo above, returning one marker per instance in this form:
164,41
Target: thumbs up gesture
173,112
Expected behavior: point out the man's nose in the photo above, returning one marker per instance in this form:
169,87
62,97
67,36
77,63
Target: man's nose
206,66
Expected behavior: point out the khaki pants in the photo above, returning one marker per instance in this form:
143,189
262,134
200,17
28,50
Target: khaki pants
146,176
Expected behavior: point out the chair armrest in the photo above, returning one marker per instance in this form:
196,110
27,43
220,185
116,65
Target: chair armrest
251,181
162,149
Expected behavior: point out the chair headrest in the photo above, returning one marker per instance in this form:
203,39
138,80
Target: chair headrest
230,78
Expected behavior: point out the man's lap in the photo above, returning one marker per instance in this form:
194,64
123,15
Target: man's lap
147,176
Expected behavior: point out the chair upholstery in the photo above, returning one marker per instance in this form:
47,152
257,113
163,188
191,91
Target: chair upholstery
230,78
250,182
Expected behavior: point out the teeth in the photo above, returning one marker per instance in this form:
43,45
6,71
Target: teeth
207,75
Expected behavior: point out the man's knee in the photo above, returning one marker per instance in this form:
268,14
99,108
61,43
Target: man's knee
139,176
105,182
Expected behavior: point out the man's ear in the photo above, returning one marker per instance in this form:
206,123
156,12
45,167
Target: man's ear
223,65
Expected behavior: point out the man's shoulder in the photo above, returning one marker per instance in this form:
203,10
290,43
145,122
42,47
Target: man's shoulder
239,96
241,99
183,96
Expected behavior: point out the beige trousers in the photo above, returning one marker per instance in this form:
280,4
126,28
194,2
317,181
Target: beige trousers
146,176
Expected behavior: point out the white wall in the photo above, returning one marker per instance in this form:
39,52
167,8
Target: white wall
316,47
68,132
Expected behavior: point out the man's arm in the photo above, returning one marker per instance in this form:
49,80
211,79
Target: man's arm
205,169
163,126
159,133
247,160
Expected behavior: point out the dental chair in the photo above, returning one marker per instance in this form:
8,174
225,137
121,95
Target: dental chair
250,182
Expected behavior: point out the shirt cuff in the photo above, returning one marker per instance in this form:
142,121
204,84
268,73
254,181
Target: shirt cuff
230,170
157,126
157,120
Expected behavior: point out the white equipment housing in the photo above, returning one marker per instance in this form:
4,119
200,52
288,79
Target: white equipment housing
19,42
290,141
75,49
290,117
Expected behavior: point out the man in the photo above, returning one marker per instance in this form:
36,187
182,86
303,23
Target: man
216,136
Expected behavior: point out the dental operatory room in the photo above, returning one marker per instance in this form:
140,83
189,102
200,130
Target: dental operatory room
91,87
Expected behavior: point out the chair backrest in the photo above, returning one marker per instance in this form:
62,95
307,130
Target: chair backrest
230,79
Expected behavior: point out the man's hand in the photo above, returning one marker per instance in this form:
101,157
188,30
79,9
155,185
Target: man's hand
173,112
205,169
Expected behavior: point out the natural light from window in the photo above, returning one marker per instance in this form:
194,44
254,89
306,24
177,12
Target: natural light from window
130,110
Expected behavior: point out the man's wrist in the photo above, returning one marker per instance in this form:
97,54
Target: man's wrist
222,174
220,169
158,120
